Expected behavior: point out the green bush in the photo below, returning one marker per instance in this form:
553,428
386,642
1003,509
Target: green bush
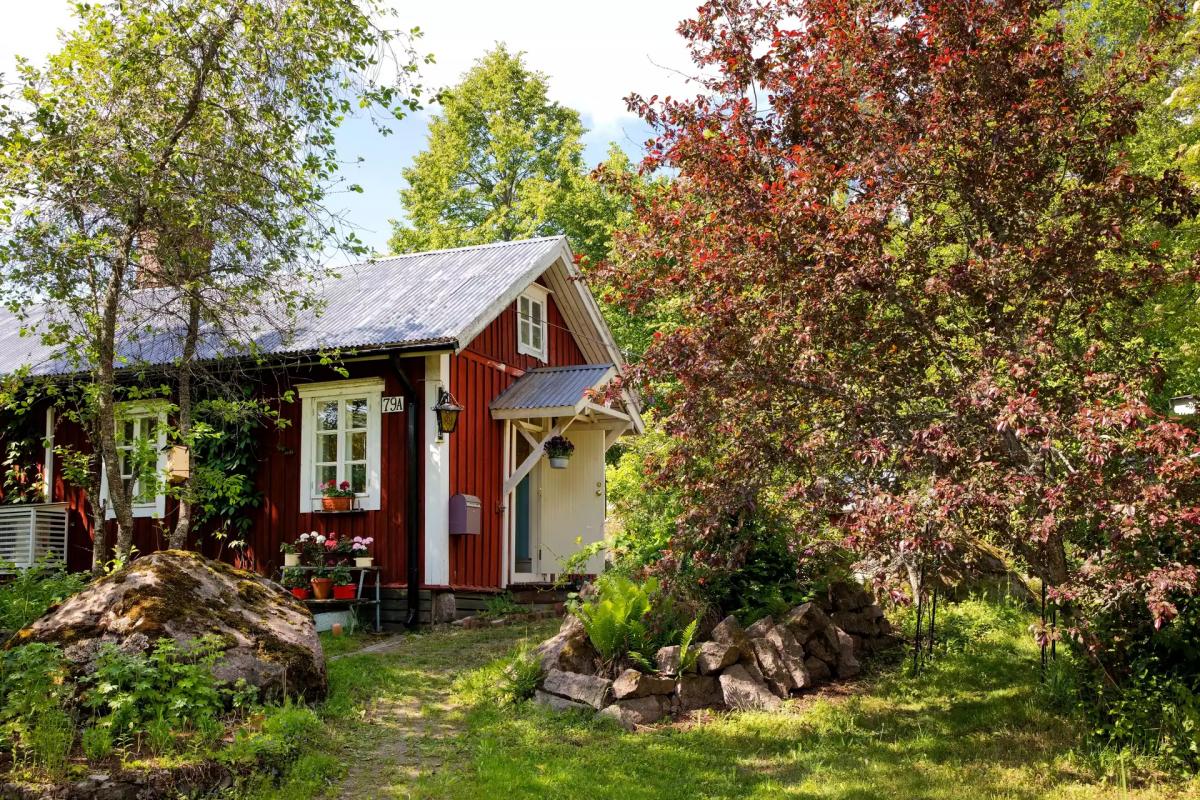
157,693
627,619
33,591
50,739
33,687
96,742
521,675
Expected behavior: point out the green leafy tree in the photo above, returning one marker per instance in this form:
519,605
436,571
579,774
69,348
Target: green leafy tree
501,158
163,178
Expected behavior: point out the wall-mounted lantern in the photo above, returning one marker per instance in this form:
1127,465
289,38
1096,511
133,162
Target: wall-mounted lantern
1184,405
447,411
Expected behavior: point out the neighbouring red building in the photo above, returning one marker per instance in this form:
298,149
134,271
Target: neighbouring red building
507,329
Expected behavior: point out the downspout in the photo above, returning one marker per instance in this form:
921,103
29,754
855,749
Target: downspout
413,570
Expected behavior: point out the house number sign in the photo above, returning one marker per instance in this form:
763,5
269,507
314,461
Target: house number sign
393,405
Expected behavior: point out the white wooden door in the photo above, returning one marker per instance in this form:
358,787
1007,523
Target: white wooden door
572,501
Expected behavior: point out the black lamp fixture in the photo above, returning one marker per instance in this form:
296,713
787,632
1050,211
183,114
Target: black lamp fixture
447,410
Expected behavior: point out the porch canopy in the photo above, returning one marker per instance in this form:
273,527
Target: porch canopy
543,403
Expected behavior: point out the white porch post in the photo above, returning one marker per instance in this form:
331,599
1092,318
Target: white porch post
437,477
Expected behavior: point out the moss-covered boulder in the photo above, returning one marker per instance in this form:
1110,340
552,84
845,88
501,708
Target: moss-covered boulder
270,639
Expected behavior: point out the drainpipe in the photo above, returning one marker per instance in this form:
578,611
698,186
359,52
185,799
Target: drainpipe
413,570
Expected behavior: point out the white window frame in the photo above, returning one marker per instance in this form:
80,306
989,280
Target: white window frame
311,395
533,295
141,410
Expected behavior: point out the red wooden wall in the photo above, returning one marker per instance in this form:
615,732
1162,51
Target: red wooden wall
485,368
278,519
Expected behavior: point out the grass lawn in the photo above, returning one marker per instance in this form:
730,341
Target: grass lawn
424,721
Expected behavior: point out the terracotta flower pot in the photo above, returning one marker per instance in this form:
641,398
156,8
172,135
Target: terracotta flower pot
337,503
322,587
300,592
364,561
291,559
345,592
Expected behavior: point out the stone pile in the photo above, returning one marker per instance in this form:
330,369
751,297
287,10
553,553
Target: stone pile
736,668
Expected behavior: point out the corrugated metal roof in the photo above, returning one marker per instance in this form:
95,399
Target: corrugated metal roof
552,387
432,298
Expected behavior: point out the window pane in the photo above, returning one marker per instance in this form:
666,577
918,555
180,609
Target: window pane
130,432
358,446
325,474
327,416
356,410
536,313
524,331
537,337
327,447
358,477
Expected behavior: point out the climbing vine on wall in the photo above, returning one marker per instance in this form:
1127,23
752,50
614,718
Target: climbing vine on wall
225,465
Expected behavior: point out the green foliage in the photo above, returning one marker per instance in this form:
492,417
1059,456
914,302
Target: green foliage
687,653
33,691
627,619
501,605
501,157
33,591
50,739
224,441
97,742
522,674
167,689
285,732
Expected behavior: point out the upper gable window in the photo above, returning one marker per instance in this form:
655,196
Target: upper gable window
531,322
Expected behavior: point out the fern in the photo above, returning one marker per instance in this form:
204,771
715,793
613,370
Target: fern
688,654
616,619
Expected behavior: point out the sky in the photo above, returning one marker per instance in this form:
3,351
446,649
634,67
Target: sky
595,54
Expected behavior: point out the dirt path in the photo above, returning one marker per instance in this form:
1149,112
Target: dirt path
412,710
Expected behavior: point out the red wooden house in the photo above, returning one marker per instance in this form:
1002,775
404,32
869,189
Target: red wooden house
507,329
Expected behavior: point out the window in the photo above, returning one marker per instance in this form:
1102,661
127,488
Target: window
531,322
141,454
341,433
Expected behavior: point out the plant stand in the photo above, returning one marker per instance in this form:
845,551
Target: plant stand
327,612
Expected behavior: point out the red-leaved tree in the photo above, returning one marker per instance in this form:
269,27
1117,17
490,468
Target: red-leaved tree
906,254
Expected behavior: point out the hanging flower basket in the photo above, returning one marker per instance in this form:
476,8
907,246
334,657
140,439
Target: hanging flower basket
559,449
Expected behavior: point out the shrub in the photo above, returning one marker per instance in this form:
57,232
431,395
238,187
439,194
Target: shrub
33,591
32,687
626,619
50,739
158,692
97,742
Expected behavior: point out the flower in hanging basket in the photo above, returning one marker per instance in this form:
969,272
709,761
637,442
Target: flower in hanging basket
559,449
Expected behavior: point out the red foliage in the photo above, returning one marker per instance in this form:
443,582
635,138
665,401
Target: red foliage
906,253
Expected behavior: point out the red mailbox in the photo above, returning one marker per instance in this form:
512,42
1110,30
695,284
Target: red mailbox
466,513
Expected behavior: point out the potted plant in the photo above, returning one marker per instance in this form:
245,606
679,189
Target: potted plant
295,581
312,548
291,556
343,584
322,584
338,551
337,496
559,449
360,548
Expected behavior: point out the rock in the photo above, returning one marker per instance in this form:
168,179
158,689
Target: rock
555,702
699,691
729,631
818,646
859,623
568,650
589,689
268,636
714,657
760,629
631,683
637,711
443,608
792,653
770,663
805,621
847,665
667,659
848,597
818,670
741,691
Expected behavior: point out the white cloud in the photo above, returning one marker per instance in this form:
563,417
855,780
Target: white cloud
596,54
